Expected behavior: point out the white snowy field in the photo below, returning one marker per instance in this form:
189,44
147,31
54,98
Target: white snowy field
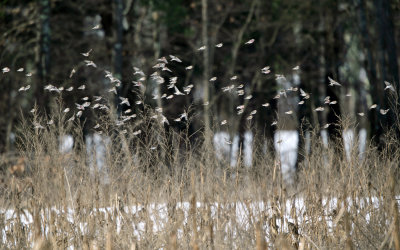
242,216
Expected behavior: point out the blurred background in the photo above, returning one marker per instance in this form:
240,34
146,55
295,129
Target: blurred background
299,47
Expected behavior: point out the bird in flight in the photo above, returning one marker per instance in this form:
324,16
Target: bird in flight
250,41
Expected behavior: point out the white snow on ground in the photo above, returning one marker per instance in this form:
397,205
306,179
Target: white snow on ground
242,215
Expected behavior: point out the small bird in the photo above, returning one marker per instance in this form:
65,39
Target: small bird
250,41
266,70
96,27
289,112
66,110
124,101
73,71
304,94
213,79
138,132
29,74
326,125
248,97
174,58
389,86
319,109
202,48
301,102
223,122
266,104
361,114
5,70
233,78
113,89
24,88
296,67
384,111
177,92
82,87
90,63
189,67
86,54
163,60
219,45
253,112
228,141
70,89
373,106
274,123
333,82
188,88
20,70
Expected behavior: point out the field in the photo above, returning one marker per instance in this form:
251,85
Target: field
181,195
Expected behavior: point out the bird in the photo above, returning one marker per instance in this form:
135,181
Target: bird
388,86
333,82
223,122
189,67
5,70
24,88
319,109
174,58
96,27
384,111
250,41
296,67
219,45
373,106
86,54
20,70
177,92
124,101
266,70
202,48
137,132
90,63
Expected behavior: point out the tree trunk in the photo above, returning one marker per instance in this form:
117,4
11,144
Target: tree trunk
206,71
43,53
117,52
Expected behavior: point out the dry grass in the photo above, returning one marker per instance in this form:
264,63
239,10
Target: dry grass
195,201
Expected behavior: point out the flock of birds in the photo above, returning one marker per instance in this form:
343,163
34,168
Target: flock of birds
160,66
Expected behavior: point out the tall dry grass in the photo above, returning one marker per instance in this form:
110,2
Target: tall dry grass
179,195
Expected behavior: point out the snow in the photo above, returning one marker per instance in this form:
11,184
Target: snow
241,215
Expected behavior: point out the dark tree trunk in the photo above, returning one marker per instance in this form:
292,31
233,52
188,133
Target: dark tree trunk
370,66
43,55
117,52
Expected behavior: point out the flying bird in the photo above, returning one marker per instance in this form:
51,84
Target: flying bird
250,41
